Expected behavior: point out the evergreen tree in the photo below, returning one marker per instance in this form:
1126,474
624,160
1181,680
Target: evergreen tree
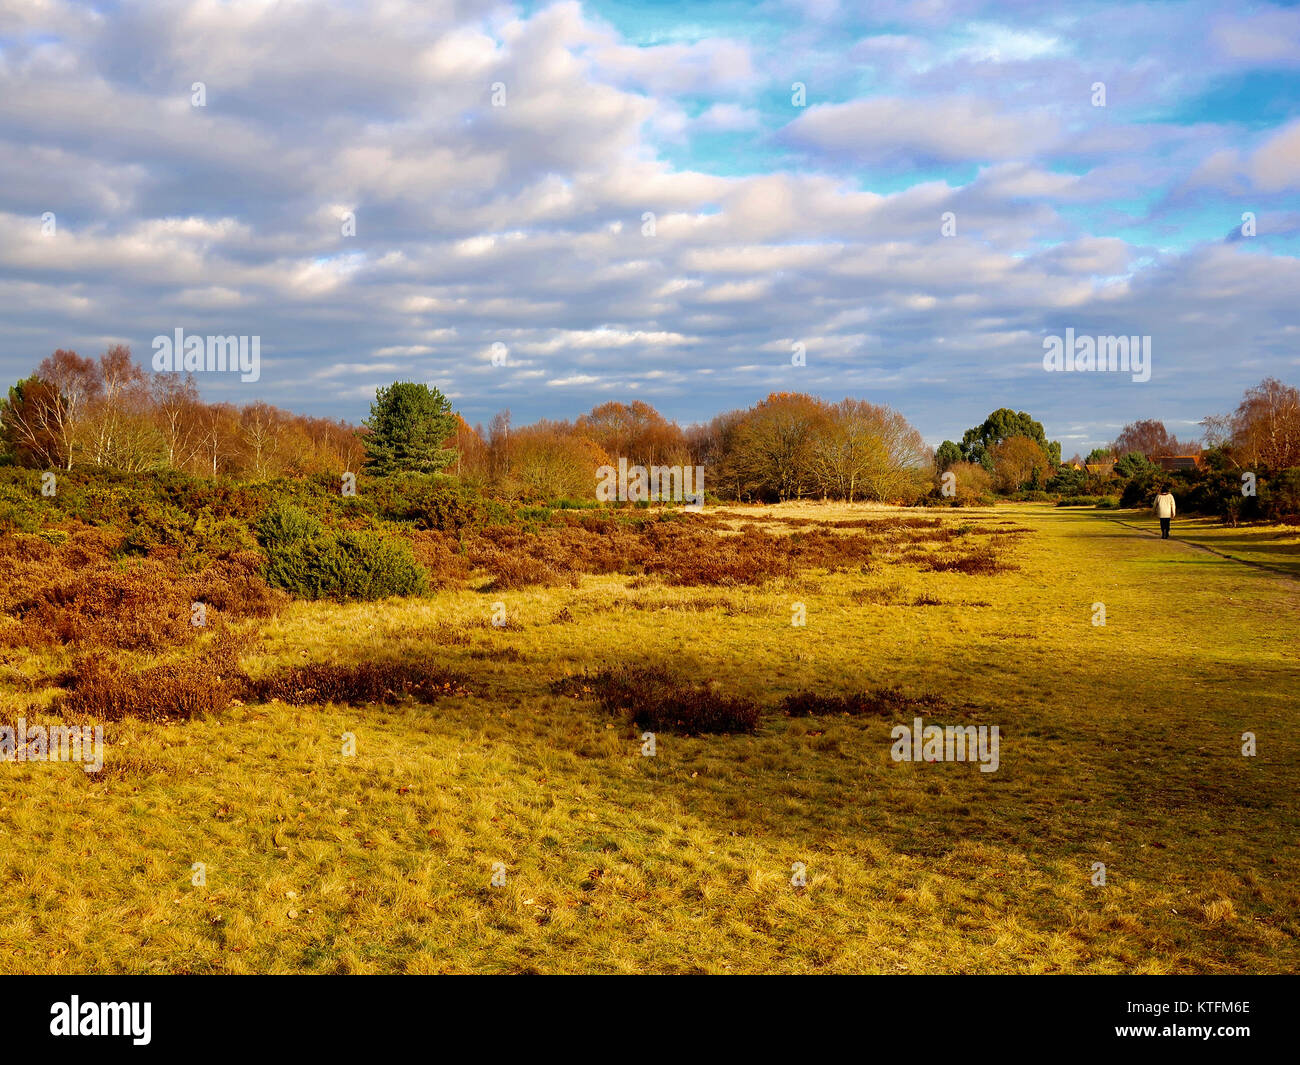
947,454
1134,464
409,424
1003,424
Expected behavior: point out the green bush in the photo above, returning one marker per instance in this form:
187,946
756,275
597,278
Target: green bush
311,562
1142,488
1068,481
1281,500
436,503
365,565
22,507
1135,464
285,525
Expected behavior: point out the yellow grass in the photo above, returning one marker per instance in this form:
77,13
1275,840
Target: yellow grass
1120,744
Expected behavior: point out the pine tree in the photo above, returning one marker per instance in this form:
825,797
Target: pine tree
409,423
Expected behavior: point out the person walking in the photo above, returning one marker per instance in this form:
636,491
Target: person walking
1164,510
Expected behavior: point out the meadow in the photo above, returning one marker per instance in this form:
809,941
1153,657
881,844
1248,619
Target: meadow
485,805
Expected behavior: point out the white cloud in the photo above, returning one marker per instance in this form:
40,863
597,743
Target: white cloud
879,130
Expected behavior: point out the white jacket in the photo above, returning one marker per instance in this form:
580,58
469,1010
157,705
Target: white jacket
1164,507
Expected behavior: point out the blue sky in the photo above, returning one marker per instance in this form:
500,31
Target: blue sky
774,224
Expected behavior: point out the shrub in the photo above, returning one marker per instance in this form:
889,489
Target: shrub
20,507
234,586
982,560
285,525
434,503
652,698
1068,481
136,609
68,588
971,482
360,565
172,690
1281,501
307,560
810,704
444,565
1139,491
1135,464
885,702
510,572
356,685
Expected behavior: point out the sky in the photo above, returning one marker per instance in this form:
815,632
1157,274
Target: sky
545,206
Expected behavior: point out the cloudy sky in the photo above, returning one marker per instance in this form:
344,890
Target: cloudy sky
632,199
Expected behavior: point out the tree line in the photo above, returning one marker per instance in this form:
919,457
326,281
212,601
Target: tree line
788,446
1009,452
108,412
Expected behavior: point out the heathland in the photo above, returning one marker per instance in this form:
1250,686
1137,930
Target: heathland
432,759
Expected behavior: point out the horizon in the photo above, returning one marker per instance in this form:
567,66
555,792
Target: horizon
498,162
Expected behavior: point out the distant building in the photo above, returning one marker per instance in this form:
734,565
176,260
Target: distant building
1101,469
1179,462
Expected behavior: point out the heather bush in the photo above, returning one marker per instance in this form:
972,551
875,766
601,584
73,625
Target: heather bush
511,572
72,596
885,702
981,560
652,697
443,560
357,684
109,692
436,503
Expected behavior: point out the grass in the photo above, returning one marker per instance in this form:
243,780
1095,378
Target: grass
1120,744
1275,546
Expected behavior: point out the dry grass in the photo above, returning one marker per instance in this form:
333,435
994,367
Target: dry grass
1122,746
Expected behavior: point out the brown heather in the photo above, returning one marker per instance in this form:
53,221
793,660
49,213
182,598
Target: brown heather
356,684
177,689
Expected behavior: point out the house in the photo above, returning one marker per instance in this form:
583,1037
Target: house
1179,462
1101,469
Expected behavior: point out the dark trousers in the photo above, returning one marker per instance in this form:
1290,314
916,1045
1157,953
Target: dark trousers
1164,528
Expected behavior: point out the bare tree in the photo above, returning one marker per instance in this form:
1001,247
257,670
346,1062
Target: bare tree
1266,425
260,429
1147,437
76,384
28,418
178,414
